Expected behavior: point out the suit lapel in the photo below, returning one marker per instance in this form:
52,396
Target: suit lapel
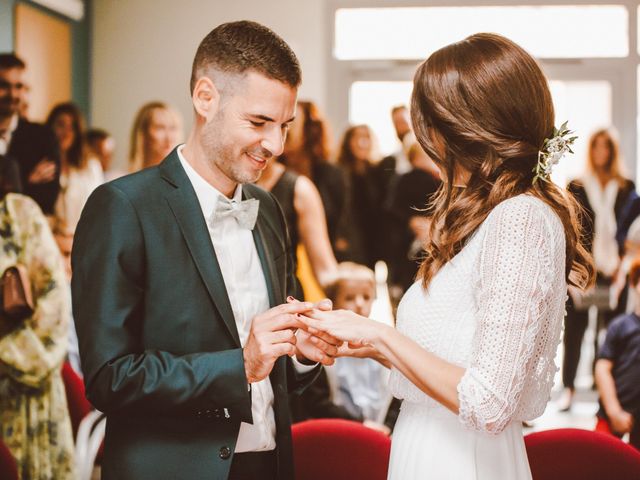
188,214
265,253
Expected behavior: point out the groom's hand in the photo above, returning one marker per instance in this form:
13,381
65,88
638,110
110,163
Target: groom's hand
271,336
318,348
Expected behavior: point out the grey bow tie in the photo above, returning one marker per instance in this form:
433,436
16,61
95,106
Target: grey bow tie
245,212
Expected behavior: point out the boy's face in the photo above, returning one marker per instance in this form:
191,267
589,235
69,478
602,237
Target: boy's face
355,295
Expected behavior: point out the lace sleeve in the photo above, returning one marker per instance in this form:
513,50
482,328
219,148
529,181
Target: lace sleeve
515,279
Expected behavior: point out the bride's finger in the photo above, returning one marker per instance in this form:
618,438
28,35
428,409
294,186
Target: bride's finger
313,326
330,339
317,314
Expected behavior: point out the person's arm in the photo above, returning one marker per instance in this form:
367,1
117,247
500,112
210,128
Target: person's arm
40,165
621,421
515,275
108,299
38,346
312,229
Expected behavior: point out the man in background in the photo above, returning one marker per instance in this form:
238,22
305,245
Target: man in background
32,146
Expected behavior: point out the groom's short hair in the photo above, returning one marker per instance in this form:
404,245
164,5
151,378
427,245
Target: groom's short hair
237,47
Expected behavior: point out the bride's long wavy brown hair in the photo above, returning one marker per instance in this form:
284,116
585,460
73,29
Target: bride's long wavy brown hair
483,106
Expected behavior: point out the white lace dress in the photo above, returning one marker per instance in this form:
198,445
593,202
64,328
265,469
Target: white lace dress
496,309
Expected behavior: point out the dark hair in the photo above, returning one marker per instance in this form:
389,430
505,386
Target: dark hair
484,105
95,135
346,157
11,60
77,155
237,47
316,137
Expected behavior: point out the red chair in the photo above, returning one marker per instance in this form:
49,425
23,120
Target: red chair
8,467
339,450
88,424
573,454
79,406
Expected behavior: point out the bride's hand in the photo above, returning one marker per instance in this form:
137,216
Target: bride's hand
345,325
363,352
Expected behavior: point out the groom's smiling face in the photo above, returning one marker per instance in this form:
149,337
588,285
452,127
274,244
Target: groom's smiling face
250,126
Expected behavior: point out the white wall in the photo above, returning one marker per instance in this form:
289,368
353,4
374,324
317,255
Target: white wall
142,51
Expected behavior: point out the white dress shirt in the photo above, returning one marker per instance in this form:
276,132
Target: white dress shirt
5,138
247,290
75,187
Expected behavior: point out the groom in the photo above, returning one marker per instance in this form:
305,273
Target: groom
180,275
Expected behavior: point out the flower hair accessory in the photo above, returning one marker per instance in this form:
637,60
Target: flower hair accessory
553,149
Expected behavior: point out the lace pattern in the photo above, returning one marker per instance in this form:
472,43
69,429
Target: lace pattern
505,295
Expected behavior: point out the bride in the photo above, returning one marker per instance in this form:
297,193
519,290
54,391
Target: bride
473,352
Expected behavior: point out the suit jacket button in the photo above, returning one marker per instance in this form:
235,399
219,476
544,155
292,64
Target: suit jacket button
225,453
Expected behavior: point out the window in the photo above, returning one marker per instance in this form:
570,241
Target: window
588,107
572,31
371,103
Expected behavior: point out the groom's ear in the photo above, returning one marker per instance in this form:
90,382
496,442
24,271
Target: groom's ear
205,98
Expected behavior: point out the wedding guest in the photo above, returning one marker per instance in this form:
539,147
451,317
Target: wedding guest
361,387
102,146
364,200
618,372
353,388
307,152
305,218
388,172
603,191
409,216
31,145
156,130
80,172
34,419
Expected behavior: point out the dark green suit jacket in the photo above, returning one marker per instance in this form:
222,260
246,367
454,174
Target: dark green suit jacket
158,341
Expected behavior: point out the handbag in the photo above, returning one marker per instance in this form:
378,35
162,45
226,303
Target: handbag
599,296
17,299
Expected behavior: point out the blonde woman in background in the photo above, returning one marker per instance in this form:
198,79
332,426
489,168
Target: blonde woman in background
80,172
157,129
602,192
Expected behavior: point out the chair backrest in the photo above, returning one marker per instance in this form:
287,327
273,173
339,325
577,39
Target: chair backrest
79,406
8,467
339,450
570,453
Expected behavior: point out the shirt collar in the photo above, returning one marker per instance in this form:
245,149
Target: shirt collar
8,132
13,124
207,194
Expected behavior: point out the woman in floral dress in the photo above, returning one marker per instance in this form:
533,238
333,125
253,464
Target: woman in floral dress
34,420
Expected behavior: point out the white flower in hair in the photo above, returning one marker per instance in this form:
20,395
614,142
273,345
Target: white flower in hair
552,151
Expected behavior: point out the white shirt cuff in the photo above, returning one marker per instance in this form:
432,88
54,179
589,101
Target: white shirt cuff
301,367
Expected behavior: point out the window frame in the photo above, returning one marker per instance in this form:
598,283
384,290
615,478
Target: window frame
622,72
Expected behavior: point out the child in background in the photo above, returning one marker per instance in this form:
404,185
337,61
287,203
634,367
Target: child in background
361,386
354,388
618,372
